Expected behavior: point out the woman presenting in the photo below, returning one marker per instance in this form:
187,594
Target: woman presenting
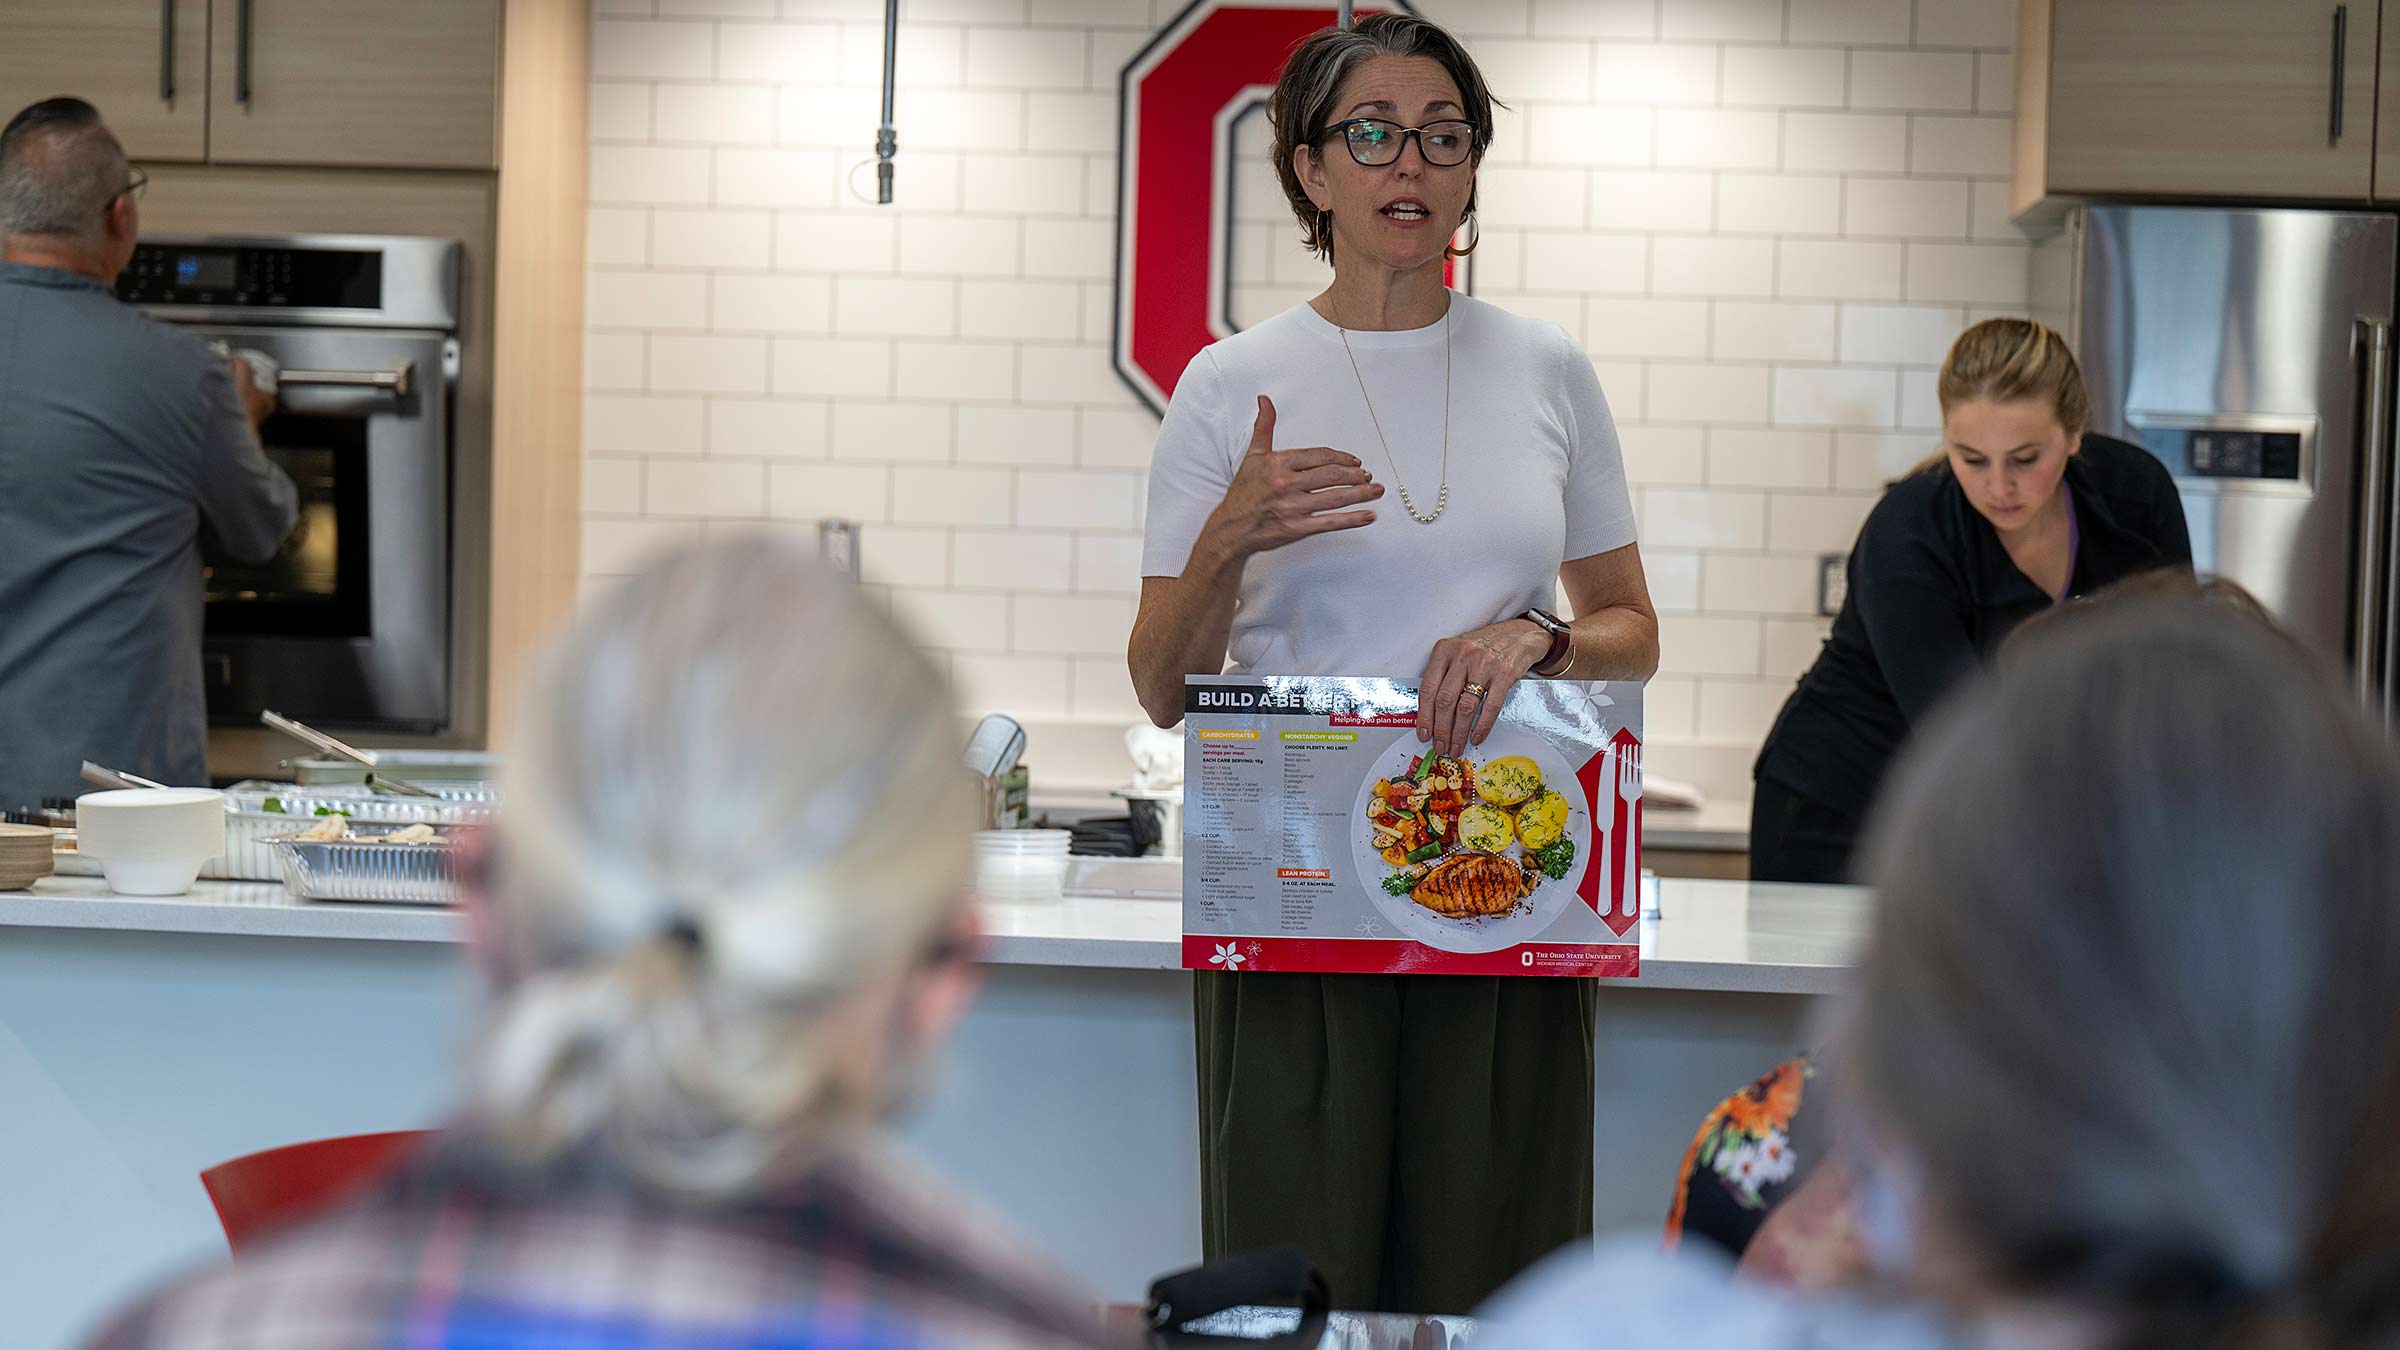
2022,509
1421,1137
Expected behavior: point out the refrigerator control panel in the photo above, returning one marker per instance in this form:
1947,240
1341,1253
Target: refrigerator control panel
2233,453
2244,454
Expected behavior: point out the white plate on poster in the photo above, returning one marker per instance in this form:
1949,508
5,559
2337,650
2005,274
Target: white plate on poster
1531,918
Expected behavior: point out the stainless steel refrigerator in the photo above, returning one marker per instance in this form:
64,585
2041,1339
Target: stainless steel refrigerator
2251,351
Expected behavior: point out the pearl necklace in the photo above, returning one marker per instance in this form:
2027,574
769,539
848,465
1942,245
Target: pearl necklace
1441,502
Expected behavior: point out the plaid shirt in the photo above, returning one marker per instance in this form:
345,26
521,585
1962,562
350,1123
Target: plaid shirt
452,1255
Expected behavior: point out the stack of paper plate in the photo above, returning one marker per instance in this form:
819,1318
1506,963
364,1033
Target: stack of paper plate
24,855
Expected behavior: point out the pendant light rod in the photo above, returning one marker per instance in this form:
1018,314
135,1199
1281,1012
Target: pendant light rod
1345,13
887,140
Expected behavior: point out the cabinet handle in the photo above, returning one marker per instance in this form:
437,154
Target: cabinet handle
241,53
2341,64
166,51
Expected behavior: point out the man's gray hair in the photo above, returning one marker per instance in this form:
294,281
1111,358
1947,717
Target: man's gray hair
60,167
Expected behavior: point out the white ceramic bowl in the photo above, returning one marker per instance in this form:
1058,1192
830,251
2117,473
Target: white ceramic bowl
151,841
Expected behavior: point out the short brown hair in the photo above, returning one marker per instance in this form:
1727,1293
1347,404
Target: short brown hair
1312,77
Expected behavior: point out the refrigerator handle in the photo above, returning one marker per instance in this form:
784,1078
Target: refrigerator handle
2341,72
2371,620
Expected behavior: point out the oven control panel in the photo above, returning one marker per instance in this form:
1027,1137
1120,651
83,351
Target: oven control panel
252,277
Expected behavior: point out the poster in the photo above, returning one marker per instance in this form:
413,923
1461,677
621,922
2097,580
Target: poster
1321,835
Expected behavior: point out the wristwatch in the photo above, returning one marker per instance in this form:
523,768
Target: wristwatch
1562,639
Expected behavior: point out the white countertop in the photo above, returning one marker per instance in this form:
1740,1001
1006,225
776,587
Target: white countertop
1735,936
1711,827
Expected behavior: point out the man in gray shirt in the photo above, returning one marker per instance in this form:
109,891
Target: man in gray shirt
120,440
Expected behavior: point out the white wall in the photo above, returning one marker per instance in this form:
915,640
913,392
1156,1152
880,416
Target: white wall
1763,218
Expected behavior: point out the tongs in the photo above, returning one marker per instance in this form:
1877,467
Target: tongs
301,731
112,778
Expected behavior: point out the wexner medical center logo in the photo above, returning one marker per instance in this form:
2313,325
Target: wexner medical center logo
1186,102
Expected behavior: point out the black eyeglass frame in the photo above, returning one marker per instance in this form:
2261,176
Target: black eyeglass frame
1399,140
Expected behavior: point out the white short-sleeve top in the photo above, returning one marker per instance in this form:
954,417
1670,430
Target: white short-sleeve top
1536,478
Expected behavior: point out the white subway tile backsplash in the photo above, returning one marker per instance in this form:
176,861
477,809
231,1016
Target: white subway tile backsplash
1866,22
1746,457
717,489
1029,185
1077,625
1602,134
1798,523
1115,438
710,238
1632,200
960,371
1790,647
902,306
828,116
1083,250
1967,23
1674,579
1621,382
1845,142
1722,20
1756,203
1838,270
1025,58
1016,435
897,432
1773,331
1654,73
905,555
1921,208
1709,138
1071,122
977,246
1683,518
636,425
645,300
1531,198
1012,560
1078,499
620,111
1920,400
951,496
616,237
1741,711
1050,310
1669,705
1991,214
791,179
703,9
1912,81
1108,563
1081,374
1601,263
1663,455
615,361
1520,72
1992,274
1785,77
779,53
1868,461
958,119
642,50
1564,310
1614,327
1595,18
709,365
830,366
1759,583
1971,145
1103,688
956,621
1679,392
638,174
929,57
861,492
1899,335
1995,82
1710,265
767,428
612,487
715,114
615,548
771,304
1693,644
1835,397
836,243
1019,686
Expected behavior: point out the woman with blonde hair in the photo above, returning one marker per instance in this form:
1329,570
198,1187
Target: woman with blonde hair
725,927
2021,509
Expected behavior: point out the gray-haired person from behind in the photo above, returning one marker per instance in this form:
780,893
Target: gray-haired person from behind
724,927
2123,1064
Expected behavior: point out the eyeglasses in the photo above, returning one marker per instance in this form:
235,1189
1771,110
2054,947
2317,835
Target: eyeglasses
1375,142
136,182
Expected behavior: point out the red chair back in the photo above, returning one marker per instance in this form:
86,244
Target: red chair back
262,1193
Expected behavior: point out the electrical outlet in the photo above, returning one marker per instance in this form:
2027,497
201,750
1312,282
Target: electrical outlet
1833,583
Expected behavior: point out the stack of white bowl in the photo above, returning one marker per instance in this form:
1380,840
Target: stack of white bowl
151,841
1021,866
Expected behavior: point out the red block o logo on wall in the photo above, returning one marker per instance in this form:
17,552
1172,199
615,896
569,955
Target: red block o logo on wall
1179,98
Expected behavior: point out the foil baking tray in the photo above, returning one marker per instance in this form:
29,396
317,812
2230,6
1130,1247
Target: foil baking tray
367,869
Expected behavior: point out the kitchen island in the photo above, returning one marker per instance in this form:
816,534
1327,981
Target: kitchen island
141,1040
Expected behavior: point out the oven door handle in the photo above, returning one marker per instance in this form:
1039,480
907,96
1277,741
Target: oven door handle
399,380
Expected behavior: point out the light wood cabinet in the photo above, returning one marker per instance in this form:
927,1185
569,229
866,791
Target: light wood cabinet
2250,99
2387,113
143,63
336,82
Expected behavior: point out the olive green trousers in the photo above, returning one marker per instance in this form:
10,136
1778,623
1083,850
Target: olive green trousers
1423,1138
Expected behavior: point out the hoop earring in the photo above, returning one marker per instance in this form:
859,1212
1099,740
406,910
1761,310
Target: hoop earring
1324,229
1474,237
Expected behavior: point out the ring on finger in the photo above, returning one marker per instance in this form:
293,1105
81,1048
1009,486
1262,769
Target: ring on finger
1476,689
